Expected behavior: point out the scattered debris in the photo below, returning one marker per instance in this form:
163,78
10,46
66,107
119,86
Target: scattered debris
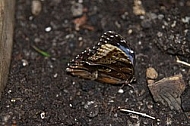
138,9
148,19
168,91
77,9
45,54
92,108
79,13
81,22
173,43
138,113
36,7
151,75
182,62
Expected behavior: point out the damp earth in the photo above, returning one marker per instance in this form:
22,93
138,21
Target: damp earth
49,35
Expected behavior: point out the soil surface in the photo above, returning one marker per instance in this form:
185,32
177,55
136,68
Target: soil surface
39,92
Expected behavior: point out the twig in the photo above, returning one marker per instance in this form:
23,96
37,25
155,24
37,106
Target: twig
138,113
182,62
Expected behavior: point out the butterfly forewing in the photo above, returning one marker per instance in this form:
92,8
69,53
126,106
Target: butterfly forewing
110,61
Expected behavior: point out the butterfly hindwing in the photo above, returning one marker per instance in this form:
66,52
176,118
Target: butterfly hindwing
110,61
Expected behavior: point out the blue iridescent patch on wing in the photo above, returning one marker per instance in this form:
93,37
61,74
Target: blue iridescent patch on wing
130,53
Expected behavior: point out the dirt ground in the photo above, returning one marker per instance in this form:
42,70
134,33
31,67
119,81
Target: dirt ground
40,93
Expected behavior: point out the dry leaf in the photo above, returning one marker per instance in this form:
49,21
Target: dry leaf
168,91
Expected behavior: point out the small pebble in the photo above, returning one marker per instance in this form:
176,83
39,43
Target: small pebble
9,91
186,20
151,73
174,24
77,9
36,7
71,105
130,31
55,75
146,23
24,62
13,100
121,91
160,16
42,115
111,101
92,108
48,29
159,34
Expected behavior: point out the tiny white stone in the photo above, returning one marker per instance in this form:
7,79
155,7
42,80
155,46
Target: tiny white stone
121,91
42,115
115,115
139,42
55,75
51,66
48,29
131,91
174,24
31,18
24,62
90,102
13,100
80,38
9,91
127,99
130,31
111,101
186,20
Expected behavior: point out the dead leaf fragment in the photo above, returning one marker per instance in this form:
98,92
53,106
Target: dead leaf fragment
168,91
81,22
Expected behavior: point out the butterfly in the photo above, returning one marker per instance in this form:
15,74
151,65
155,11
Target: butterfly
110,61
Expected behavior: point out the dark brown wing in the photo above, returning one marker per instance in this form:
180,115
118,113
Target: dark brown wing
106,62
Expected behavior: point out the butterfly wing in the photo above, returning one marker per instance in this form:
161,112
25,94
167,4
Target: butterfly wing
110,61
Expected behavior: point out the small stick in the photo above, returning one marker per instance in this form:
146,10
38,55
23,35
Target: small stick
138,113
182,62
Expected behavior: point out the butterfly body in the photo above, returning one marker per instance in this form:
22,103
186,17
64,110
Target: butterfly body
110,61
